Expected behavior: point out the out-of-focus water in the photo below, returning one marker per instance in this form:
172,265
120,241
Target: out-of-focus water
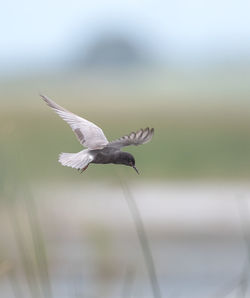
197,234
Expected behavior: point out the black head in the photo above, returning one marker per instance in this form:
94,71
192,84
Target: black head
127,159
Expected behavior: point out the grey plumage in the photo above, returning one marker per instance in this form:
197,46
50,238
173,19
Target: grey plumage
99,150
88,134
140,137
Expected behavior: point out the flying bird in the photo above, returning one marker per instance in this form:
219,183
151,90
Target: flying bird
99,149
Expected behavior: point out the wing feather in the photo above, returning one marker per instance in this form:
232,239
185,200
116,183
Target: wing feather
140,137
89,134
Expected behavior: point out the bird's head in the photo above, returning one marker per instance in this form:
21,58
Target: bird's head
127,159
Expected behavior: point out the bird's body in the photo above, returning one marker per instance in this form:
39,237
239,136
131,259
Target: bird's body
99,151
105,155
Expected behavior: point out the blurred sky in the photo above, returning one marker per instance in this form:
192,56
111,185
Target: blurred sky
41,33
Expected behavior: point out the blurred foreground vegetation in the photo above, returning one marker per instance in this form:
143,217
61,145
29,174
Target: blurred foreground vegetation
78,235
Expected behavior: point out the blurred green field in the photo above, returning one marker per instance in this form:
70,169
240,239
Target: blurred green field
192,141
55,216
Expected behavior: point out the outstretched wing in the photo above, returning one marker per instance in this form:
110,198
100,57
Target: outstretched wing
89,134
140,137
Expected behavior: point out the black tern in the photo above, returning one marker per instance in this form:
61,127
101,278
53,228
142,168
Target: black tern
99,149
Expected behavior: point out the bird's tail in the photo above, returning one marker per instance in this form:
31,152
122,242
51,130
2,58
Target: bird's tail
77,160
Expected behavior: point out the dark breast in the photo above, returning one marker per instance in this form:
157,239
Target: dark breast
105,155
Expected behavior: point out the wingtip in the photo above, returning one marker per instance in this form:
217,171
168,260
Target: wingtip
51,103
44,97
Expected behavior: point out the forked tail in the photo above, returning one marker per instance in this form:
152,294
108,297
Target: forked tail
77,160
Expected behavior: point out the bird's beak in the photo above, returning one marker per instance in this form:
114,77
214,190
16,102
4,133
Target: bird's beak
136,170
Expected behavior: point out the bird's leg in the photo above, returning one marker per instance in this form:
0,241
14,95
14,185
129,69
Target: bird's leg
83,169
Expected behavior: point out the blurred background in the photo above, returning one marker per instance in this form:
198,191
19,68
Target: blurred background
182,67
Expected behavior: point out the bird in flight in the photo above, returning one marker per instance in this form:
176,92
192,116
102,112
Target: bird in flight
99,149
